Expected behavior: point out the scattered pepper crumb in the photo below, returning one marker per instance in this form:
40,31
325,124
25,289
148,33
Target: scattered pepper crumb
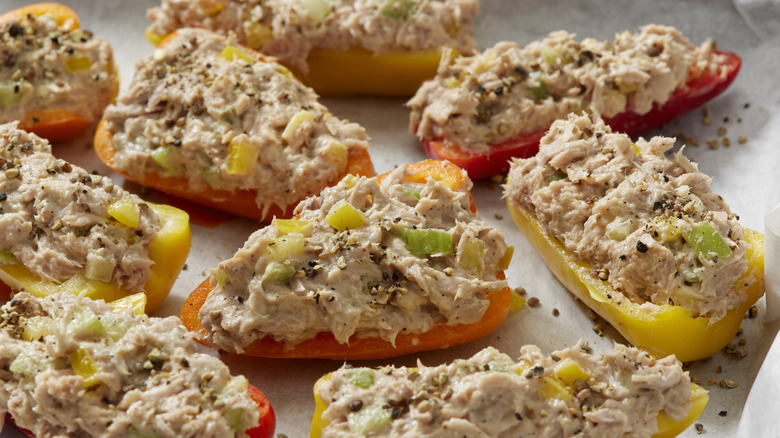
742,139
533,302
722,131
742,341
498,216
592,315
555,312
740,331
753,312
728,383
699,428
711,381
726,142
520,290
723,413
718,369
713,144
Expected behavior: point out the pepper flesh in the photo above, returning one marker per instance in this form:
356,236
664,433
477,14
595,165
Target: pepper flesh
325,346
168,250
667,428
238,202
54,124
660,329
697,91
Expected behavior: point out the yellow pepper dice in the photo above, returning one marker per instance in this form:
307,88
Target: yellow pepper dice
292,226
570,371
242,157
169,250
301,117
134,302
345,217
84,366
660,329
126,211
77,63
232,52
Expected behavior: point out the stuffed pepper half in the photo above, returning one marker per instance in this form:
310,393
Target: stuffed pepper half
624,392
371,268
481,111
379,47
77,367
638,237
218,124
55,79
64,229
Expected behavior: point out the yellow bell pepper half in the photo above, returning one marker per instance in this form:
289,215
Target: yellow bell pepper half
667,428
168,250
660,329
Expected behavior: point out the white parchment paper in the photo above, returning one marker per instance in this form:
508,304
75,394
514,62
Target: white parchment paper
745,174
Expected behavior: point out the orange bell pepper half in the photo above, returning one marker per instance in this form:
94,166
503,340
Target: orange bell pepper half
660,329
325,346
699,89
667,428
169,250
54,124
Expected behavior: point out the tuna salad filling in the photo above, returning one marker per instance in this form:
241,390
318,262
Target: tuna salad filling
58,221
570,393
649,225
290,29
76,367
203,109
46,65
507,91
364,258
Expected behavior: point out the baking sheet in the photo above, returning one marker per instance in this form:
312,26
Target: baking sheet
745,174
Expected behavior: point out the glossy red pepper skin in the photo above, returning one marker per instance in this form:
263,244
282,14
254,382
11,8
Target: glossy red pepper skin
265,428
698,90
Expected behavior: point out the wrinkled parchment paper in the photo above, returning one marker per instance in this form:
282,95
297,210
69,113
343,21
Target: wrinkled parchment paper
745,174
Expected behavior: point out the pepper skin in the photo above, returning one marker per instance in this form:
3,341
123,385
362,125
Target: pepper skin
660,329
54,124
324,344
667,428
698,90
168,250
239,202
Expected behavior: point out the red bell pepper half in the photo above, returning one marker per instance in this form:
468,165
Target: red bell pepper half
698,91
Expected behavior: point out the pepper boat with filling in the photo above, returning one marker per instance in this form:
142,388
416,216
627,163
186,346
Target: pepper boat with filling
217,124
480,111
624,392
376,47
639,238
56,79
371,268
63,229
78,367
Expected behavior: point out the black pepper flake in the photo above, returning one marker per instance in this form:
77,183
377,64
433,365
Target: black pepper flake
641,247
518,416
723,413
355,405
16,30
622,257
3,196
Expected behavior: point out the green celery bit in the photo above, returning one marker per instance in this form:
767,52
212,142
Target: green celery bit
285,246
706,242
539,92
7,258
134,432
35,327
83,365
220,276
472,258
345,217
428,241
398,9
412,192
361,378
162,156
276,271
11,93
24,365
369,419
233,417
555,176
85,321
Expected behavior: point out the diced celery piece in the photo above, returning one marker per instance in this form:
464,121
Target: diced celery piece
162,156
338,154
24,365
134,432
286,226
503,264
684,295
620,228
236,385
302,116
706,242
135,302
344,216
116,327
570,371
362,378
276,271
85,321
286,246
550,56
84,366
555,176
369,419
220,276
7,258
412,192
550,388
35,328
77,63
126,211
472,257
242,157
12,92
317,10
540,91
516,302
98,268
428,241
233,417
398,9
257,34
232,52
